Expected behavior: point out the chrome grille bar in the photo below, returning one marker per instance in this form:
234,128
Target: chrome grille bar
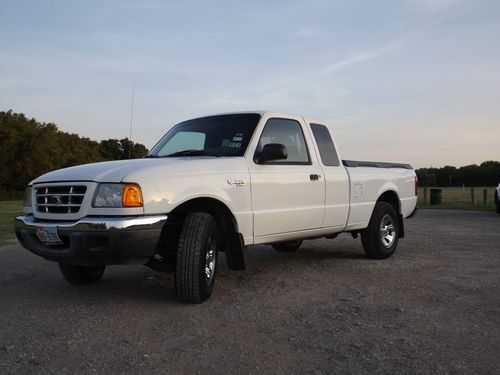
59,199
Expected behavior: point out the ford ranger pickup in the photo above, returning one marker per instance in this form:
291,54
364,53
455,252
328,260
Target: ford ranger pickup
211,185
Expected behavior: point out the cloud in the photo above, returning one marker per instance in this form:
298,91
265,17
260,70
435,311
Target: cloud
227,101
305,33
436,5
421,27
337,65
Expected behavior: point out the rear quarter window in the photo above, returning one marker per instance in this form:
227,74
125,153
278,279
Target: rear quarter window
326,148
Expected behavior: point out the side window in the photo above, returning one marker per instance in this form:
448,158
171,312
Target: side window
184,141
326,147
288,133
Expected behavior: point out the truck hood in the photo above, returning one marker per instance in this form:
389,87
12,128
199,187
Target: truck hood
117,171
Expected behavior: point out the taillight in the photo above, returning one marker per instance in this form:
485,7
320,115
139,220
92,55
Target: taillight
416,186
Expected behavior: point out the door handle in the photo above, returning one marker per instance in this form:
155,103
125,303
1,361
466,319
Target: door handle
314,177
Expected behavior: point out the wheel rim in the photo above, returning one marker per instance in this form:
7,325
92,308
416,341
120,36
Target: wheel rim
210,260
387,231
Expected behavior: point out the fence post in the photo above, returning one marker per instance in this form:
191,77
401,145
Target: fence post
485,197
473,196
425,196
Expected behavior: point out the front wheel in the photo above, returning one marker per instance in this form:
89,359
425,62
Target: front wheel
381,237
81,275
196,262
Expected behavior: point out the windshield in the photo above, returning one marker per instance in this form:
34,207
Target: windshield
223,135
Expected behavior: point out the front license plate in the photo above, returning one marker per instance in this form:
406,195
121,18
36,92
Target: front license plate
48,235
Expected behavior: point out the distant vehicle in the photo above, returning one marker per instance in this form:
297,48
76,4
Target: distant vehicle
217,183
497,198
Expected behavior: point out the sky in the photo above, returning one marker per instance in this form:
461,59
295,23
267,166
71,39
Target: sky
414,81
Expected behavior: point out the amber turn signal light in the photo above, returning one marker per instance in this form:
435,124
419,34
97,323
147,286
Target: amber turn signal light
132,196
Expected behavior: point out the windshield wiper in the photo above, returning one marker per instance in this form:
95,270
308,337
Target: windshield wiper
191,152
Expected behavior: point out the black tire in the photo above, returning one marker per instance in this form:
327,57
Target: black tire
498,208
80,275
196,249
378,244
287,247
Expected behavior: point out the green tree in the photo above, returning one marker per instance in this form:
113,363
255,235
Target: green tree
29,149
111,149
114,149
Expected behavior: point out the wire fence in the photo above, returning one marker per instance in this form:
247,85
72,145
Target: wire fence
465,198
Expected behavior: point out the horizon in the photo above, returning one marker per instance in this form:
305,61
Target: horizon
415,82
126,137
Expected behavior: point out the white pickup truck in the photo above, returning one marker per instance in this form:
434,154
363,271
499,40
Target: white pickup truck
214,184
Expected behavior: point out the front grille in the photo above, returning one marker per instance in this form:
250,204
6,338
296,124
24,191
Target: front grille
62,199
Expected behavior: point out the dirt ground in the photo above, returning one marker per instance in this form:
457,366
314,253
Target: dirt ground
434,307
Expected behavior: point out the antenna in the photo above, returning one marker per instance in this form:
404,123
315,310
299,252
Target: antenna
131,118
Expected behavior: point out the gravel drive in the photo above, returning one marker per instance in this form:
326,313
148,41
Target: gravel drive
434,307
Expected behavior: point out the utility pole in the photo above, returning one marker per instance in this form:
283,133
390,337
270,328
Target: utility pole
131,118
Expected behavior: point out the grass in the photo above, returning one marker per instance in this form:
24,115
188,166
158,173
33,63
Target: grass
8,211
459,198
452,198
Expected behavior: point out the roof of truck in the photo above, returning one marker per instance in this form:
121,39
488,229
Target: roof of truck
262,113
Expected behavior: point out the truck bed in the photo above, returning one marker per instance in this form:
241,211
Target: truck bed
374,164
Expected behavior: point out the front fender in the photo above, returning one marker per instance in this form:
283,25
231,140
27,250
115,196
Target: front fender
162,197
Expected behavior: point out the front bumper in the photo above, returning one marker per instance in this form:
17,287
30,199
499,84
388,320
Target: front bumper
93,241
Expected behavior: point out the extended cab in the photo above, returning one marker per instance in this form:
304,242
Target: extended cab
214,184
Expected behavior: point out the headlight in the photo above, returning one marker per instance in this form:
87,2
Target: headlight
27,196
118,195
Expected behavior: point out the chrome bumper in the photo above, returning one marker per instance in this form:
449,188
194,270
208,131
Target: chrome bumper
93,241
100,224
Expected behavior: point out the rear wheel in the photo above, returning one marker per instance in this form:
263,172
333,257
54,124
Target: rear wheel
381,237
81,275
288,246
196,262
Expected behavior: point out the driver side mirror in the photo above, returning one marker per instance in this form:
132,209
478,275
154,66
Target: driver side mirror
271,152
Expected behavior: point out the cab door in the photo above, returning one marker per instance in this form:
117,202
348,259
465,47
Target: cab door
287,195
336,179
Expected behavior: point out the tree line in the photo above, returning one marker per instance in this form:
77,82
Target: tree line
29,148
484,174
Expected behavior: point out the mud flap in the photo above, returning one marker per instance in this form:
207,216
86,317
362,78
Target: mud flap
234,252
401,226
